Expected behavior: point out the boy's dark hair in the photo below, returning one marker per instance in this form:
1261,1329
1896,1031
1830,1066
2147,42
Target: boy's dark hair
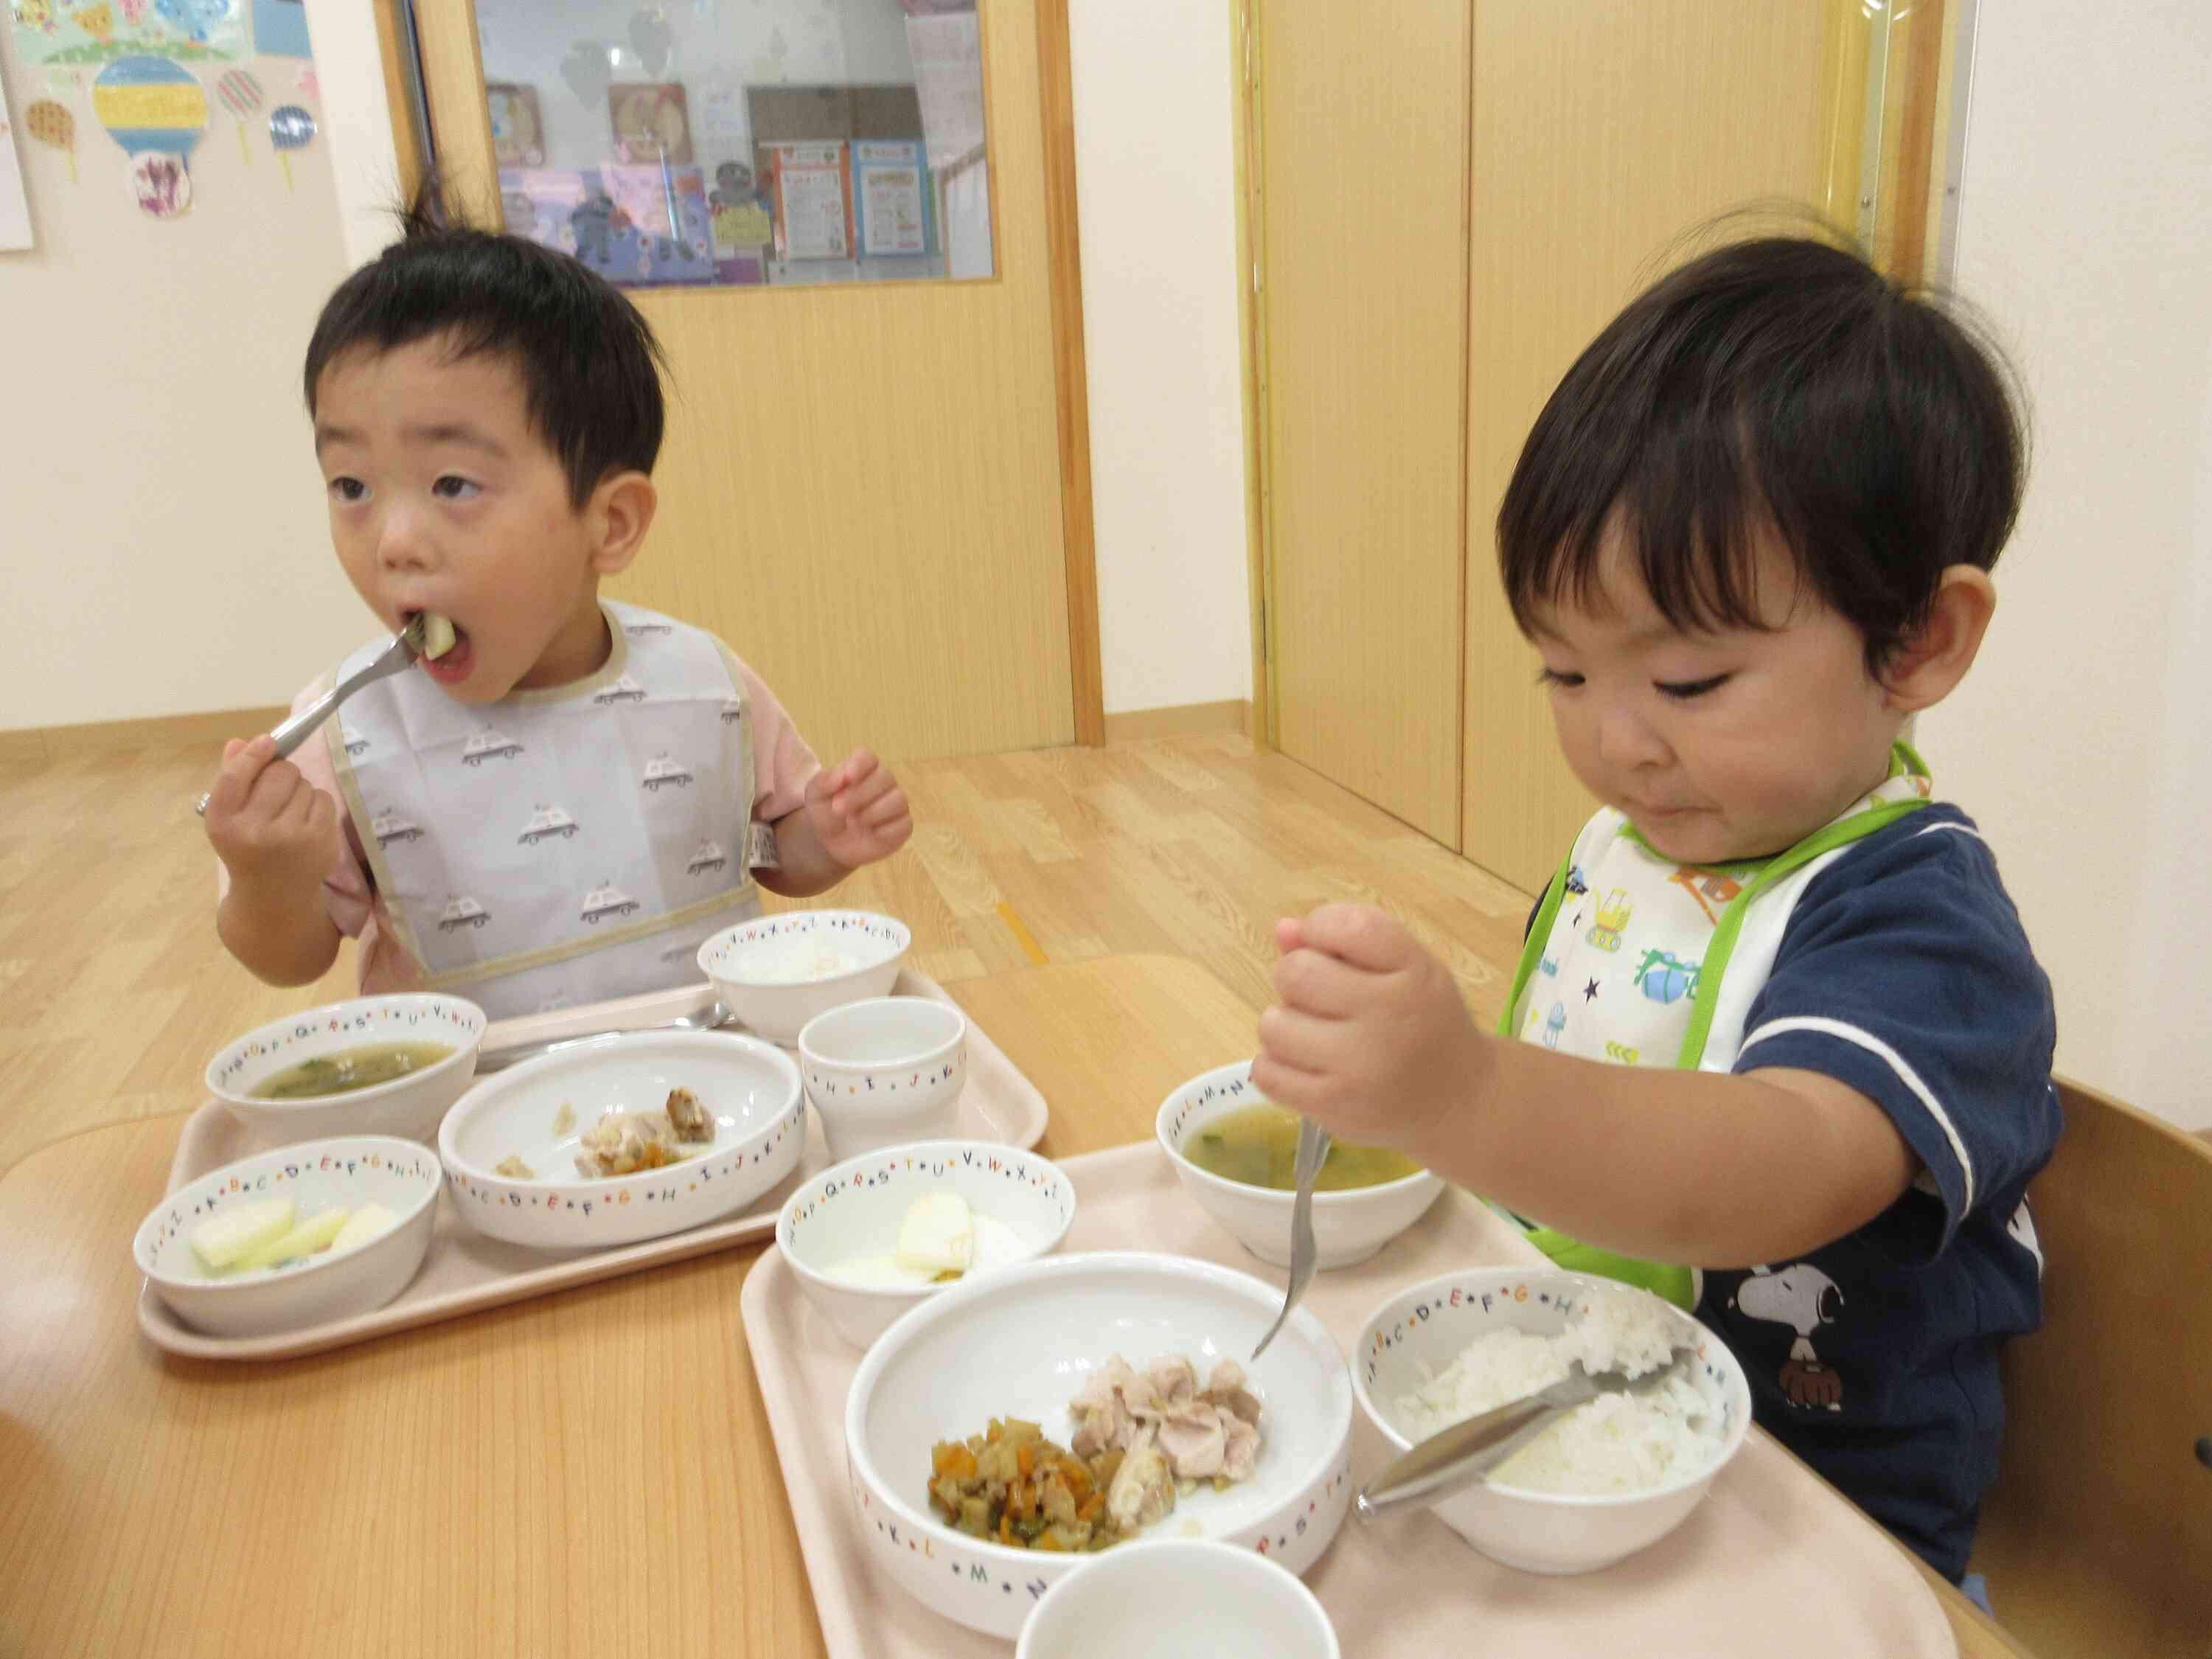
589,362
1779,381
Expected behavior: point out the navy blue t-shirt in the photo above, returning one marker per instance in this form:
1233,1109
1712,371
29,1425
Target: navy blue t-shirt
1904,973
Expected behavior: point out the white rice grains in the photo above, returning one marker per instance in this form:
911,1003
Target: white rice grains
1617,1442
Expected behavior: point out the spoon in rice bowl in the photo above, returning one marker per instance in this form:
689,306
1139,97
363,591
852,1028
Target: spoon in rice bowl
1463,1456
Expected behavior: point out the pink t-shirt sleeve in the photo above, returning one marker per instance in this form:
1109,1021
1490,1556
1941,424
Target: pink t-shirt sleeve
347,895
782,764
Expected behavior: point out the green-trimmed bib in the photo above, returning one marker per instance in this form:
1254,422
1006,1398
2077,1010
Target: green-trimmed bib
1635,960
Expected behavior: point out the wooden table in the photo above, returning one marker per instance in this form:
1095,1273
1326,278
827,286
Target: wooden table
588,1474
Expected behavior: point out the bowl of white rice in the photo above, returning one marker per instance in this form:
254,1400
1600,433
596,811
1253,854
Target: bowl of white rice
776,973
1612,1477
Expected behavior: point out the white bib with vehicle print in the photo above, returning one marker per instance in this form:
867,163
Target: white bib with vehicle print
565,846
1624,963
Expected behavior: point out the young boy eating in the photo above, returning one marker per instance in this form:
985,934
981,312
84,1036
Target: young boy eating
1775,1017
560,805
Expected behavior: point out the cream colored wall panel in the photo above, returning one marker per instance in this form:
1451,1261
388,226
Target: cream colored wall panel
1364,183
1602,133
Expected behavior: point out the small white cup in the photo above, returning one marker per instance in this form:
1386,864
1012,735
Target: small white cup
1177,1597
884,1071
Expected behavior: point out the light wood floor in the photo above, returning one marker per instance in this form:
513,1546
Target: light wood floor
114,990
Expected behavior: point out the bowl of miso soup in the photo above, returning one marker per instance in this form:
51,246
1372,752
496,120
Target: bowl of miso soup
1234,1151
375,1066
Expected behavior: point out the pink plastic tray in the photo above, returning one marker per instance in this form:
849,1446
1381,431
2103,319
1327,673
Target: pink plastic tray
465,1272
1773,1561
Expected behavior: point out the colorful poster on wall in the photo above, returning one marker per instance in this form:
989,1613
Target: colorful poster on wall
280,28
637,227
518,130
890,196
743,227
651,122
813,202
68,31
718,113
675,231
14,207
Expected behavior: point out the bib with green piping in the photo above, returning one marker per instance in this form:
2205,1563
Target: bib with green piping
1629,962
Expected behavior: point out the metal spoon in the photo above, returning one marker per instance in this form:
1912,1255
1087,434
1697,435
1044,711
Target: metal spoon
399,655
1449,1461
1313,1153
710,1017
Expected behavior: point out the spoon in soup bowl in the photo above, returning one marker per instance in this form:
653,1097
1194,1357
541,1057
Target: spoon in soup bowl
1313,1153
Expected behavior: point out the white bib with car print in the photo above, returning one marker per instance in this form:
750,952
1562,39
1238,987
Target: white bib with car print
565,846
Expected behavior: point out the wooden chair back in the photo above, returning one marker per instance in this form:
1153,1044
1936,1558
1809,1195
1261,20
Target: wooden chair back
2098,1538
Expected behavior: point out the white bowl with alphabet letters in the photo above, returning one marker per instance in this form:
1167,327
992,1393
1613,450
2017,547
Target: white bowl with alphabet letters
1019,1343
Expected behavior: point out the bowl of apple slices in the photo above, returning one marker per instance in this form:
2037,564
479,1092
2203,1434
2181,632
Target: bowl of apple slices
293,1237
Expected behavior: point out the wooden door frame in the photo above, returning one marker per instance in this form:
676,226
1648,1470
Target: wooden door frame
1252,349
1064,243
452,27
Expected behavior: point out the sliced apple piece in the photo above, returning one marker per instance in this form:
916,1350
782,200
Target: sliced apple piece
221,1239
437,633
938,1234
370,1221
305,1238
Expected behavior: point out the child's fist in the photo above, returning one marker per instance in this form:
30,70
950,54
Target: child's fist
1371,1038
268,824
858,811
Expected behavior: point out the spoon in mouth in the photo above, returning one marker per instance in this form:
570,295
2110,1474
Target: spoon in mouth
396,658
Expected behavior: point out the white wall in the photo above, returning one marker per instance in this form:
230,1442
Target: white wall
2079,740
163,542
357,124
1156,192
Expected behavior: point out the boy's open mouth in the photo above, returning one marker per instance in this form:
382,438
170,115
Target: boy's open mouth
451,666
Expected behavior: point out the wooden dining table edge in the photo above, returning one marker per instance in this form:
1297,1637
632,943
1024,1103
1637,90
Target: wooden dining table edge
143,1120
1979,1636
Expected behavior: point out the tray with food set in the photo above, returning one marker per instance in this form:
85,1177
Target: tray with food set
877,1447
465,1269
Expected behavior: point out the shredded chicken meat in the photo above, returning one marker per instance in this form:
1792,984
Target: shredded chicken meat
1171,1431
622,1143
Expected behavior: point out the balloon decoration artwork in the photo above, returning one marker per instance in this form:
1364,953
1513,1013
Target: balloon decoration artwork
586,71
290,128
652,40
50,123
241,95
158,113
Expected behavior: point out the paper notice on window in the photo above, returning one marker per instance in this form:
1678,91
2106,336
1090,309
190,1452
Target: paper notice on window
810,204
948,81
887,179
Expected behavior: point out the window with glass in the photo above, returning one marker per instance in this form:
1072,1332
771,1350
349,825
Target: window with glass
742,144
